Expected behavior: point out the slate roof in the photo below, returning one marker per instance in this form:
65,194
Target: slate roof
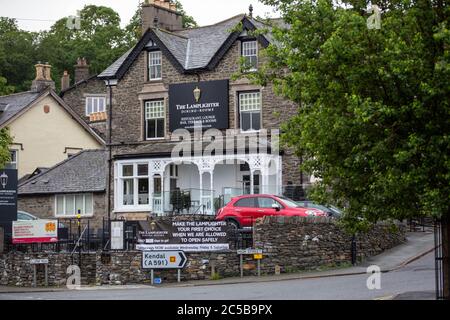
84,172
193,49
13,104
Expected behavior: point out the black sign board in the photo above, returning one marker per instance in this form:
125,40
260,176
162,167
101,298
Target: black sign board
8,198
199,102
198,235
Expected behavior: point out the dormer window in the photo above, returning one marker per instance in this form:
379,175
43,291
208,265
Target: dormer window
154,65
250,54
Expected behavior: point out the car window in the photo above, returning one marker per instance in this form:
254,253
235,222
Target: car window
264,202
246,202
290,203
24,217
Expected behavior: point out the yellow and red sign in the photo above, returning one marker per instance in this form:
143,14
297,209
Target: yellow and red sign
35,231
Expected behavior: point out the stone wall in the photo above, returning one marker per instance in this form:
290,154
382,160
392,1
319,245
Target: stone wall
16,269
292,243
298,243
43,206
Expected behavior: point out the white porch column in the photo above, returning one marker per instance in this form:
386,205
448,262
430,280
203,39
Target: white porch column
212,191
252,182
264,180
201,188
280,175
151,189
162,192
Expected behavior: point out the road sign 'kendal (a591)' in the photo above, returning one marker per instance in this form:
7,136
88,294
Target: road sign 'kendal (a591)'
163,260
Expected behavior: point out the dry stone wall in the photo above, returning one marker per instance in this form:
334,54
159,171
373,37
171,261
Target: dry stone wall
290,244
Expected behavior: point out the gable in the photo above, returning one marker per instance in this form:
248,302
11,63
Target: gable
190,50
47,119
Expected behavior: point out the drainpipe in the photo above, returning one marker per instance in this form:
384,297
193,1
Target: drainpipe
109,142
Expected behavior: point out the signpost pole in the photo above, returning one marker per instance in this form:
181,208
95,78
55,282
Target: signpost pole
241,265
46,275
179,275
152,276
34,276
259,268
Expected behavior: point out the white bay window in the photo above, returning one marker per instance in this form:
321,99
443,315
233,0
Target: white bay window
133,186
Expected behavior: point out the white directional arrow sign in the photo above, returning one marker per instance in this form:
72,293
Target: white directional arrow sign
163,260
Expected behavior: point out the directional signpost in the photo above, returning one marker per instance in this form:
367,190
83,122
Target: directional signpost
164,260
257,255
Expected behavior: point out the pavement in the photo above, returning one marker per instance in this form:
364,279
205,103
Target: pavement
418,245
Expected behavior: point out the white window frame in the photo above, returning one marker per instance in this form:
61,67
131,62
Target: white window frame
95,104
13,164
119,206
154,61
155,115
250,49
86,211
250,108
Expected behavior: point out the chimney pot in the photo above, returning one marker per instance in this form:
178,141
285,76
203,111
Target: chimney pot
81,70
65,81
43,78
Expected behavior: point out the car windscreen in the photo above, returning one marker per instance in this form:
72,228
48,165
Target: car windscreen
289,203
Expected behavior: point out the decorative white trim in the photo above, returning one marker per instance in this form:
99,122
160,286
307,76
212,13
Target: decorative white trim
257,162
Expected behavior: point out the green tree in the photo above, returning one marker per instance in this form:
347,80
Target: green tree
5,142
374,119
100,40
17,54
5,89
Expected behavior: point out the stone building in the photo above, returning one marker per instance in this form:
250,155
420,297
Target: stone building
87,96
76,185
175,90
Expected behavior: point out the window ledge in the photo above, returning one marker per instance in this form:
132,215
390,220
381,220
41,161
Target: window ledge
132,210
155,139
74,216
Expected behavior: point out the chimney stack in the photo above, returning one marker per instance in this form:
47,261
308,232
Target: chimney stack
43,78
81,70
65,81
164,12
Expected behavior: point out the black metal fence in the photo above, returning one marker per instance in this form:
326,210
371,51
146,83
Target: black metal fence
73,236
442,263
421,224
81,236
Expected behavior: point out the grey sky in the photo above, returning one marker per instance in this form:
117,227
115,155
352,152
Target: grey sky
204,11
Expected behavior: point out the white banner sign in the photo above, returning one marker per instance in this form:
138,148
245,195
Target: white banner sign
183,247
35,231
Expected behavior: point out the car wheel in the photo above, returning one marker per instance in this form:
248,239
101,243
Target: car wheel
233,224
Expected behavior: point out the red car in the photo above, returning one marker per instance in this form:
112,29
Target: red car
244,210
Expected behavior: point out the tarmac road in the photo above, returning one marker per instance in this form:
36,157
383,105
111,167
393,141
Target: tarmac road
419,276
